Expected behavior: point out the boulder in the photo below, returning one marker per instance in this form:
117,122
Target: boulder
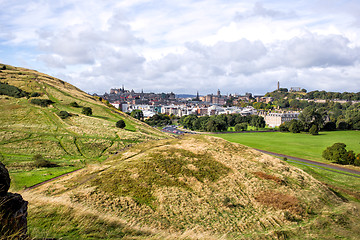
13,210
4,180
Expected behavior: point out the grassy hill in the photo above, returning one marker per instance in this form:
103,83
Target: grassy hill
194,187
138,183
28,129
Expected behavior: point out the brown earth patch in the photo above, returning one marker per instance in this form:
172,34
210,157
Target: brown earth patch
280,201
268,177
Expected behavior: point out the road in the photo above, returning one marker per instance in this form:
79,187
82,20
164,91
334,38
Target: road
173,129
328,167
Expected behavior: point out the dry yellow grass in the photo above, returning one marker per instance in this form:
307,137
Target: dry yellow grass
162,186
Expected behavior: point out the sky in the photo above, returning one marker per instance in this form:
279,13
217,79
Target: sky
186,46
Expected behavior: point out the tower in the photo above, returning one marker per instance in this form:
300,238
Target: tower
278,86
218,92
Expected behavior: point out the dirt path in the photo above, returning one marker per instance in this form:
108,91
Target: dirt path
328,167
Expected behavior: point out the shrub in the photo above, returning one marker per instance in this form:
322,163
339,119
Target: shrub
330,126
339,154
284,127
35,94
120,124
314,130
63,114
341,125
357,160
40,162
12,91
74,104
87,111
41,102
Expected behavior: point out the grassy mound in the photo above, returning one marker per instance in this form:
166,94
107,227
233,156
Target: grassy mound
33,123
200,187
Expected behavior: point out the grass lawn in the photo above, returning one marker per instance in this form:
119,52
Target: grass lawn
21,179
347,185
298,145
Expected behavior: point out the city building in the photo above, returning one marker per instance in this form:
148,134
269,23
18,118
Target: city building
276,119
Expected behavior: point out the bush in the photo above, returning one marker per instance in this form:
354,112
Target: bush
41,102
74,104
120,124
284,127
87,111
63,114
339,154
35,94
40,162
341,125
12,91
330,126
314,130
357,160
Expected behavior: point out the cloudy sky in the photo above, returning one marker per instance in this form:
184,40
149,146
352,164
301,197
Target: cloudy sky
186,46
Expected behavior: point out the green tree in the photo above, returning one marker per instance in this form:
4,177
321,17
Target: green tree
216,125
138,114
241,127
188,121
310,116
295,126
257,121
159,120
87,111
120,124
337,153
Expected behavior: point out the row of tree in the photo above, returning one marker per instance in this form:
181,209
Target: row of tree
327,119
159,120
221,122
333,95
284,93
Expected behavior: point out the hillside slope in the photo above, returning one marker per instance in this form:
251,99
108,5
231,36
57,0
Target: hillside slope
28,129
199,187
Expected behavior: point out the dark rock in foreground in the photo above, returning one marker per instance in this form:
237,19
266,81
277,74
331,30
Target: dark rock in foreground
13,209
4,180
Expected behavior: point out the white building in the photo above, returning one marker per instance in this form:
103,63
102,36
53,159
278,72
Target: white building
276,119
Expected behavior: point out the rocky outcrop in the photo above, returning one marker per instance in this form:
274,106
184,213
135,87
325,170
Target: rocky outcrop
13,209
4,180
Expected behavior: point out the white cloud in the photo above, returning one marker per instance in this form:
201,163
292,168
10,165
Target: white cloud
189,45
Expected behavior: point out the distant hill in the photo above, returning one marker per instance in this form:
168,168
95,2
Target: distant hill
199,187
185,96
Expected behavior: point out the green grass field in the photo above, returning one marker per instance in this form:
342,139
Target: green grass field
298,145
27,130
